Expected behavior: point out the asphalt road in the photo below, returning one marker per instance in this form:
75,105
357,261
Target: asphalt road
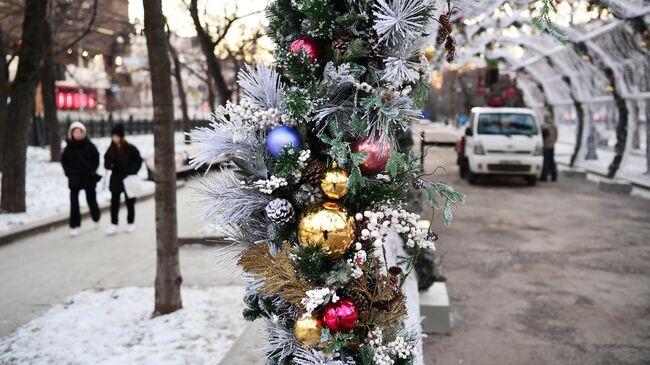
558,273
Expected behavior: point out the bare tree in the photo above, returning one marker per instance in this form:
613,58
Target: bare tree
181,89
21,108
58,18
209,44
4,82
49,96
168,276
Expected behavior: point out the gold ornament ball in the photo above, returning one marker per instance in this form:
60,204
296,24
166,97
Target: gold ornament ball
327,225
610,89
334,182
307,330
429,53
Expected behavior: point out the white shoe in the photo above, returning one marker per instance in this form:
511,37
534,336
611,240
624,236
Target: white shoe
74,232
95,225
130,228
111,230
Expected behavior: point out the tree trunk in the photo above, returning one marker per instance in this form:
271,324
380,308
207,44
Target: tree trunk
647,137
21,108
621,134
211,97
580,116
49,98
181,93
168,275
214,65
4,83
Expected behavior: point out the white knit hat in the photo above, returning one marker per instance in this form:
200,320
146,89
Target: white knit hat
73,126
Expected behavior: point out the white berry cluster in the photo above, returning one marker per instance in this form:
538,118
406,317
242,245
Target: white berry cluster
377,224
271,118
246,110
268,186
363,86
317,297
360,258
384,354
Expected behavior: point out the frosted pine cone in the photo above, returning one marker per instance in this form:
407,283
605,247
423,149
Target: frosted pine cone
279,211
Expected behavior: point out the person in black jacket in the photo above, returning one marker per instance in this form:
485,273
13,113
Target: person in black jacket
123,159
80,160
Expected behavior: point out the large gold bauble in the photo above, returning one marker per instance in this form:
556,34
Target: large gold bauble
334,182
327,225
307,330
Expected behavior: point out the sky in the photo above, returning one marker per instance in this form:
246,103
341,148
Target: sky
180,22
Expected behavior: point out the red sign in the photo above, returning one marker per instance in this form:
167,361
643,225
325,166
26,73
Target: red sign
73,99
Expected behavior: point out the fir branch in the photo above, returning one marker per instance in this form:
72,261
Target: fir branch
228,201
312,263
277,272
287,164
396,163
261,84
397,21
544,23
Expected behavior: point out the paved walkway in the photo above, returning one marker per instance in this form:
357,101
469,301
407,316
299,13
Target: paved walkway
43,270
558,273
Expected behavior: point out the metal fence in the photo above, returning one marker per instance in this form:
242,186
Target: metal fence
102,127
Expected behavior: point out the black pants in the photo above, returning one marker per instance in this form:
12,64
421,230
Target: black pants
91,199
115,206
549,164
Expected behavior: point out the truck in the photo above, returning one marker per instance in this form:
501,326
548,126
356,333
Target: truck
501,141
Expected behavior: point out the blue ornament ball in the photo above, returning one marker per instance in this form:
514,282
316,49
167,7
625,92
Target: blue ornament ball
281,136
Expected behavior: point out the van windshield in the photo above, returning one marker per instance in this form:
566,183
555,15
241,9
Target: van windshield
507,124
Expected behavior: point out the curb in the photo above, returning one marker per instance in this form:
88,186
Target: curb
59,220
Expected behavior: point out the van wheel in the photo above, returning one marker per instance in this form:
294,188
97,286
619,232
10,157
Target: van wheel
472,178
531,180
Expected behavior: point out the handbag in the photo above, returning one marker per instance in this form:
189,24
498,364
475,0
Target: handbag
132,186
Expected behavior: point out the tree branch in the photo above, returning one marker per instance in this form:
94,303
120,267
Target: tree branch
83,34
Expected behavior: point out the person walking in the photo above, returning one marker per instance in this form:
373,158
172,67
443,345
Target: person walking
549,132
123,159
80,160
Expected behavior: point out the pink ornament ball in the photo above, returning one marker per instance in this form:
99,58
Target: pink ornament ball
340,316
378,154
307,45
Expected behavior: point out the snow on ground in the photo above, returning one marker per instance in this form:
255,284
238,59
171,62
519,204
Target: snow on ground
114,326
47,187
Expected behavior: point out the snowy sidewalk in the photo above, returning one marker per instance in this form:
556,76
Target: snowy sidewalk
47,187
41,271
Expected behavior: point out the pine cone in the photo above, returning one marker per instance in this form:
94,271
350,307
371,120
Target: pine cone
375,47
358,299
341,43
314,172
279,211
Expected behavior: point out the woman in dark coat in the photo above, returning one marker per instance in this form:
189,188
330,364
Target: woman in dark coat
123,159
80,161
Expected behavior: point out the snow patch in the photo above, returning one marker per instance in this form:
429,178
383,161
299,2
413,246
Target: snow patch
114,326
47,193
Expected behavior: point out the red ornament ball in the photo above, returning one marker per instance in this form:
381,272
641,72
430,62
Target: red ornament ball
377,157
307,45
340,316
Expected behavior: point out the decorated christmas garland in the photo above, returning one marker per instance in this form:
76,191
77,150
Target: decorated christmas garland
318,179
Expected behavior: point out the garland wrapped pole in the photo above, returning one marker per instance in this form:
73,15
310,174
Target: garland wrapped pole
319,181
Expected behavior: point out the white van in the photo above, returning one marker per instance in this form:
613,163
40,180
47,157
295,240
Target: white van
501,141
